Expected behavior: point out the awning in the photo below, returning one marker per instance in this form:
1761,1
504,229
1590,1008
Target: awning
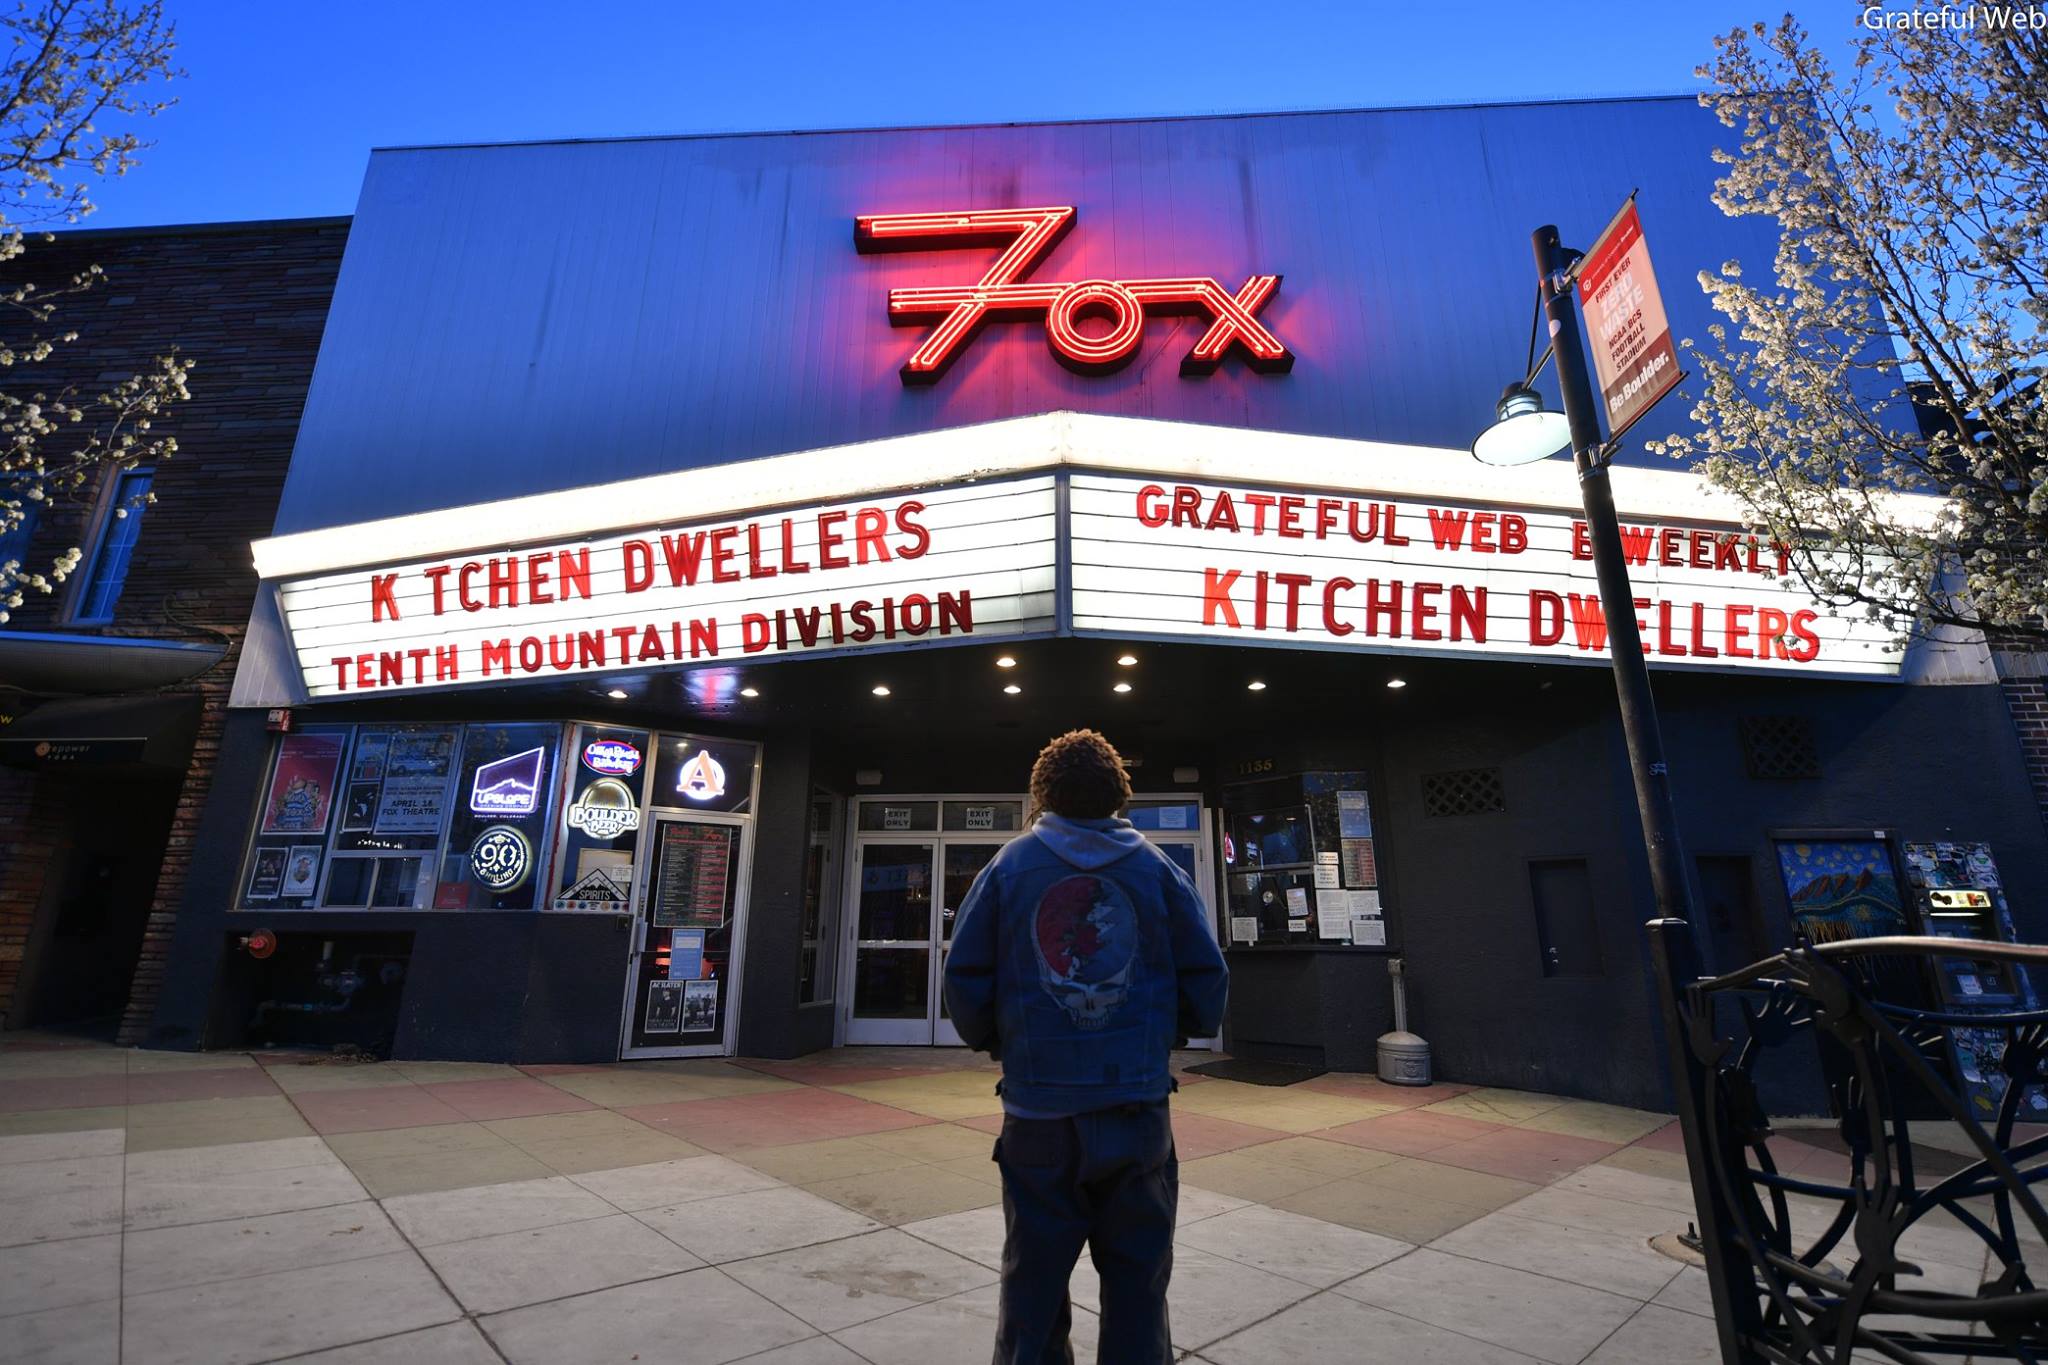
98,665
150,731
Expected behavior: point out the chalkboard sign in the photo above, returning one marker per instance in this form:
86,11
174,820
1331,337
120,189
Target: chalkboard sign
692,873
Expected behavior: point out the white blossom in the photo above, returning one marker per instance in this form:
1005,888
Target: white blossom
1912,266
69,64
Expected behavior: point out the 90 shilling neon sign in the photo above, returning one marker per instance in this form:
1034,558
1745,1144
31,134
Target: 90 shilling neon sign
1027,236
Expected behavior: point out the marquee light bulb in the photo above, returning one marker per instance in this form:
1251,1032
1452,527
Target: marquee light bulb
1255,686
881,689
750,692
1127,659
1013,689
1396,684
617,694
1006,662
1121,687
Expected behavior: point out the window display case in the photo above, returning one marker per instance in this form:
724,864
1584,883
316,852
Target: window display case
1300,865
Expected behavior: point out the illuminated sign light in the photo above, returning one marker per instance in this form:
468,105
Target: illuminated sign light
500,858
508,786
613,757
702,778
606,810
1027,236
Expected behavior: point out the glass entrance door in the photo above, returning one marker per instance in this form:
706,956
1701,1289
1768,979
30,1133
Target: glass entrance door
679,999
894,979
907,891
914,860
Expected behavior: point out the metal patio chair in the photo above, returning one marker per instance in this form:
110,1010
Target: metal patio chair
1843,1284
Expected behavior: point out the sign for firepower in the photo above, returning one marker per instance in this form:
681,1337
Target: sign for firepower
1257,566
970,561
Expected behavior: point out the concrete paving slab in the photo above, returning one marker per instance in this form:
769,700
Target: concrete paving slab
1534,1314
841,1283
492,1274
701,1317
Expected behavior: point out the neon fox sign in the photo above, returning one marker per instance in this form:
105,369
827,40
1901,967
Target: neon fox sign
1027,237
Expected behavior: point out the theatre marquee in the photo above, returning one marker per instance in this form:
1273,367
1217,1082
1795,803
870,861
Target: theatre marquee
1043,526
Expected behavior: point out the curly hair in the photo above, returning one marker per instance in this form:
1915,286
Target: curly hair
1079,775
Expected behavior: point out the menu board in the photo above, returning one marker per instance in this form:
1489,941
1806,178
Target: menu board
691,874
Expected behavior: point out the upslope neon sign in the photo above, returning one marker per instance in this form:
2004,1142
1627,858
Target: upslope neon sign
1027,236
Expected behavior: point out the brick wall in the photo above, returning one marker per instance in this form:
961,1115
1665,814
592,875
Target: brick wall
247,303
2027,699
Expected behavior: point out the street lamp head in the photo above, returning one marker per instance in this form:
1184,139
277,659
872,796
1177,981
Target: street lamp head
1523,431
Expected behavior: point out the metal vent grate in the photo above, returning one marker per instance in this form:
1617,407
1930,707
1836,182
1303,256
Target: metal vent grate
1468,791
1778,748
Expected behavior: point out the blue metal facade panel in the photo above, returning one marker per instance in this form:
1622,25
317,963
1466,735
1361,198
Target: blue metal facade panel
517,319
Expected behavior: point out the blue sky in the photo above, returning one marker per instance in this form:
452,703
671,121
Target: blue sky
285,98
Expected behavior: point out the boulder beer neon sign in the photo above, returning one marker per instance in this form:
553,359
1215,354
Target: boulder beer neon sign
1027,236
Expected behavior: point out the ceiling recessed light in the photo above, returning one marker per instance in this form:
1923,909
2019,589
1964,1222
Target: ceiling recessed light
617,694
1013,689
881,689
1006,662
1127,659
750,692
1396,683
1255,686
1121,687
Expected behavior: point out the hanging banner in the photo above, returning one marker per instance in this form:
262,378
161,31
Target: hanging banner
1627,330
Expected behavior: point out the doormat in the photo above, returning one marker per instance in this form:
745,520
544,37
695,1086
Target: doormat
1258,1073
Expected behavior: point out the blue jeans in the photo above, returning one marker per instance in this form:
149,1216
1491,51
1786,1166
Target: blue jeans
1108,1180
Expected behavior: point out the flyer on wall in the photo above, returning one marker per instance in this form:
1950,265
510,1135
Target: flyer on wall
302,784
412,805
359,810
301,870
267,875
421,754
664,1007
700,1006
371,749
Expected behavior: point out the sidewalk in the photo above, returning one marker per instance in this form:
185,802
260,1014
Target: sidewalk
221,1208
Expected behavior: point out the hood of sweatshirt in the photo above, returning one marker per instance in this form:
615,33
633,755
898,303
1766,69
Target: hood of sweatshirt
1088,844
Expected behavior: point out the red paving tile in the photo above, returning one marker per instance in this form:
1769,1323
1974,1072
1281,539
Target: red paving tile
1665,1139
813,1073
986,1123
1410,1132
560,1068
212,1084
385,1106
1362,1087
514,1098
1524,1154
1199,1135
63,1092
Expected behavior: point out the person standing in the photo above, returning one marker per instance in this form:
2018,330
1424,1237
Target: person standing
1080,957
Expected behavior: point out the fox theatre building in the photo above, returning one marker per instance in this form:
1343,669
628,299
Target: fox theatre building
671,590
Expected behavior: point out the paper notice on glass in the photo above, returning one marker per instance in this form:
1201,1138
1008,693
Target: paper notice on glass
1297,902
1368,931
1360,867
1328,877
1354,816
1244,928
1365,903
1329,857
1333,915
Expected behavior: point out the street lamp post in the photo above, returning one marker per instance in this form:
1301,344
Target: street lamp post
1522,436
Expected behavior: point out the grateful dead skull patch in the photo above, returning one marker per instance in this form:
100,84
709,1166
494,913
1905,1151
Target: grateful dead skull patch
1086,933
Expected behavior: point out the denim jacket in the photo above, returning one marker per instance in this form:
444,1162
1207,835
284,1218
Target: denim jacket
1078,957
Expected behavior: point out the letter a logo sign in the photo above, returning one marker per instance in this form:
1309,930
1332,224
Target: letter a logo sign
1026,237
